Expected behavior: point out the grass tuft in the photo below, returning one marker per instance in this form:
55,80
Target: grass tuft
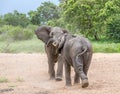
3,80
19,79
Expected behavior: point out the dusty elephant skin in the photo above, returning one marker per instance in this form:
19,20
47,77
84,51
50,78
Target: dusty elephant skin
76,51
43,34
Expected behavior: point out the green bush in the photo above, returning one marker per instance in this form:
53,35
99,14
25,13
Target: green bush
4,32
113,27
18,33
13,33
32,27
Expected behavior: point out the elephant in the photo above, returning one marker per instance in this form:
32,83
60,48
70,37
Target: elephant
42,33
76,51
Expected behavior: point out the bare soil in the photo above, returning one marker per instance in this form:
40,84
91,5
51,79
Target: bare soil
28,74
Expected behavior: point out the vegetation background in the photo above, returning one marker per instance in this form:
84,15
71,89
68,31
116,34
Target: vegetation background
98,20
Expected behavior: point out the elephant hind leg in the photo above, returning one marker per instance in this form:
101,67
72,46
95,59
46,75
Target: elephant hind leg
76,78
87,62
79,68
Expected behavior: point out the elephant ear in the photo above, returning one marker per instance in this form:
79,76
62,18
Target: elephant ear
43,33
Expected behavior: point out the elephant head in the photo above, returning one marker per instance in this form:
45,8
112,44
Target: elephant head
43,33
57,37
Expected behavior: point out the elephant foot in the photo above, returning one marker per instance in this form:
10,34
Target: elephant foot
58,78
85,83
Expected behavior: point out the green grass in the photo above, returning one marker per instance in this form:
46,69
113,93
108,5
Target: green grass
28,46
106,47
3,80
19,79
37,46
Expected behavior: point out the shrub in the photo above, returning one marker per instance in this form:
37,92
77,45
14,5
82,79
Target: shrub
18,33
113,28
4,32
32,27
3,80
8,32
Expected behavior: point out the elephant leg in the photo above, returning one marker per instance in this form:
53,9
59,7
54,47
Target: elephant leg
87,62
83,76
68,74
59,69
51,69
76,78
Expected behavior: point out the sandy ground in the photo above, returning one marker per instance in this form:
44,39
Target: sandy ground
28,74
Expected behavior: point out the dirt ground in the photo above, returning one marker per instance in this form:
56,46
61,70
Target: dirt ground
28,74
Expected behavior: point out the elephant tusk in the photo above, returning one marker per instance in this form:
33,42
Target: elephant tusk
54,44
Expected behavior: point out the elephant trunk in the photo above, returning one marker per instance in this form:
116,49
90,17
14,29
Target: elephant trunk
61,43
51,42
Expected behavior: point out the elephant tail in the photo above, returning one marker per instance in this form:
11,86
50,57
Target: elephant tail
84,50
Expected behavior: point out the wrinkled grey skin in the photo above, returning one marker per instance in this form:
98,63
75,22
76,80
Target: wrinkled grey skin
76,51
43,34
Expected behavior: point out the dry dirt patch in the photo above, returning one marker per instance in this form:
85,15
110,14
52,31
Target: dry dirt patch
28,74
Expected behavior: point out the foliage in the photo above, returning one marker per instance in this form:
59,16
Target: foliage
15,33
47,11
32,27
34,17
89,17
112,9
114,28
16,19
95,19
1,21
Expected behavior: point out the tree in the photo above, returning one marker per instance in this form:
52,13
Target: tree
78,14
1,21
89,17
34,17
47,11
112,9
16,19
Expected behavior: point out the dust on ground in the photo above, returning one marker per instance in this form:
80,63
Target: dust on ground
28,74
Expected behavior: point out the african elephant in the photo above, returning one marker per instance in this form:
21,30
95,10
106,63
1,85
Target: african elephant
43,34
76,51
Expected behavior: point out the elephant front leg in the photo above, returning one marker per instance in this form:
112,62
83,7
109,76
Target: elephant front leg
59,69
51,69
67,74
